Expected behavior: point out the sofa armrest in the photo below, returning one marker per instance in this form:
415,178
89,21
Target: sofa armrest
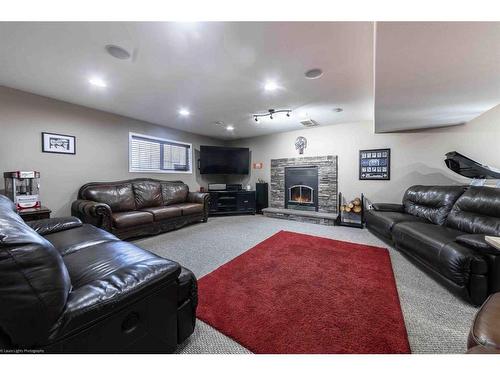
202,198
195,197
95,213
393,207
477,242
58,224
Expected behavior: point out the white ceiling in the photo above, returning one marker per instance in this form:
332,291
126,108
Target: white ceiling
432,74
217,70
427,74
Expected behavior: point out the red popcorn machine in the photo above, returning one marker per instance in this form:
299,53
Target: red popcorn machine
23,187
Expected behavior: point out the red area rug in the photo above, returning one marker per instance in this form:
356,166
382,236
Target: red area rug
295,293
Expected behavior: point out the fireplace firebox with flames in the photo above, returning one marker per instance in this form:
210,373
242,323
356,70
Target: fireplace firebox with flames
301,187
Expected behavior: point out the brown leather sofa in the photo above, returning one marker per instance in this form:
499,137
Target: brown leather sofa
484,335
139,207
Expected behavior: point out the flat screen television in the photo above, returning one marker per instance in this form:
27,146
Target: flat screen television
224,160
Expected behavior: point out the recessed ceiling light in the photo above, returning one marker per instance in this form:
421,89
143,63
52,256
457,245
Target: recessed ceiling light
99,82
337,110
184,112
230,128
270,86
313,73
117,52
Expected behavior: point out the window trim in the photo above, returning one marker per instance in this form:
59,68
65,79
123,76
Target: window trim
171,141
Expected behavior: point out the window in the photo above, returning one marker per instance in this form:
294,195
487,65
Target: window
157,155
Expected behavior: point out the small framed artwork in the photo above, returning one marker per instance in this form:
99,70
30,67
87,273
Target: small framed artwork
375,164
58,143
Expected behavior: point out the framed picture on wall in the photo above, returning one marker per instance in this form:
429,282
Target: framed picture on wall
375,164
58,143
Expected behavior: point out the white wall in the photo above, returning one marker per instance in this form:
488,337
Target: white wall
101,145
416,157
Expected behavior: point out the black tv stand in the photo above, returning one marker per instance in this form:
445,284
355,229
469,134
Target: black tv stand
231,202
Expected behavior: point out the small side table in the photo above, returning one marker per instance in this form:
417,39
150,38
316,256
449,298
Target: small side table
30,214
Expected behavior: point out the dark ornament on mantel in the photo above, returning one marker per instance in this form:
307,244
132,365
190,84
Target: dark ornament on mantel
300,144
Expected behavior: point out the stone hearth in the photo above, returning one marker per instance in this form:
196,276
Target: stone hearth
327,188
302,216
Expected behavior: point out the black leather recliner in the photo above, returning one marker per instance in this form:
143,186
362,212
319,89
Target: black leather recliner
73,288
442,228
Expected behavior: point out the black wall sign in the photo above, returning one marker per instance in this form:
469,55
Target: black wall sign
375,164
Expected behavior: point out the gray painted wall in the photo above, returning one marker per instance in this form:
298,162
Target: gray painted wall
416,157
101,148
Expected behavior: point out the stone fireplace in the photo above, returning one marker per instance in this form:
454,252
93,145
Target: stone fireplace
301,188
304,189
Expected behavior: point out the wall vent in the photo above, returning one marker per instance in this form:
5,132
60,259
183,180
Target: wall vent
309,123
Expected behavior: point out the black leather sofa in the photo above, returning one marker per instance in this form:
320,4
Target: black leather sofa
69,287
442,229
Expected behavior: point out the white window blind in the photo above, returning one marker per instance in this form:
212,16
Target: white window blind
151,154
144,155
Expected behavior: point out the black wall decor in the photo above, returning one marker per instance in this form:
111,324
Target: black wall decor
375,164
58,143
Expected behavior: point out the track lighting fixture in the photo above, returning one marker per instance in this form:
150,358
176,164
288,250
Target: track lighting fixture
270,113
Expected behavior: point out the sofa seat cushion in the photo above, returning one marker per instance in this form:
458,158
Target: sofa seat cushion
131,218
162,213
485,330
383,221
189,208
108,276
436,246
79,238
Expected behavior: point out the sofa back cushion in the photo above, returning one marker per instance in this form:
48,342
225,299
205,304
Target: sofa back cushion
147,193
174,192
477,211
34,281
433,203
119,196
